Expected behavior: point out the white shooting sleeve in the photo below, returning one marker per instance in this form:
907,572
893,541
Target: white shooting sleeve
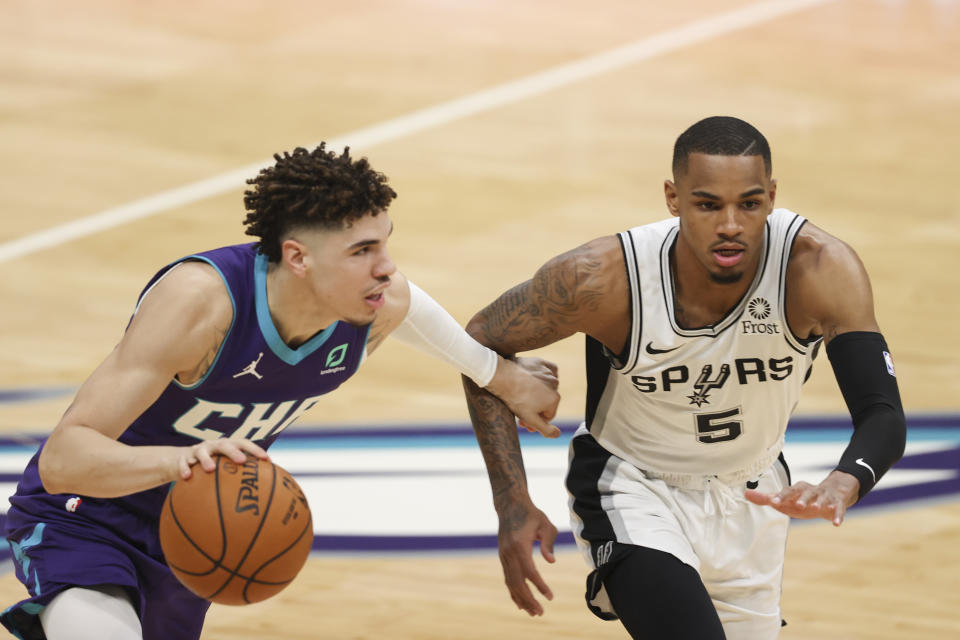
429,328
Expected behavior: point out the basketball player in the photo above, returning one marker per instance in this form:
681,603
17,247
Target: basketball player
700,331
224,351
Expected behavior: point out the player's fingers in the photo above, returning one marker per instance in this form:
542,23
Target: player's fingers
806,497
839,510
519,591
526,426
231,449
534,576
547,536
545,428
184,463
204,458
758,497
253,448
789,494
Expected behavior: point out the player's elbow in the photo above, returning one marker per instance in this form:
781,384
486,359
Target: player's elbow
50,471
51,467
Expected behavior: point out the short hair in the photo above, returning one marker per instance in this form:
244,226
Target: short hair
720,136
317,189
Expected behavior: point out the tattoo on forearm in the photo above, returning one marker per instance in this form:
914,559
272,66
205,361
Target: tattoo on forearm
548,307
496,433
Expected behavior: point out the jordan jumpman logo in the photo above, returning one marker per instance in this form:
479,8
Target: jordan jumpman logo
251,369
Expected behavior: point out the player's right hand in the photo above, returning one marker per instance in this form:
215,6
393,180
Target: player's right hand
529,389
236,449
519,528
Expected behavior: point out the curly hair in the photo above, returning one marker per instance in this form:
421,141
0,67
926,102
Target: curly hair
317,189
720,136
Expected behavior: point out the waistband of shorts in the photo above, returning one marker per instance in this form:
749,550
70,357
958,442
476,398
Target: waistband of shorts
700,481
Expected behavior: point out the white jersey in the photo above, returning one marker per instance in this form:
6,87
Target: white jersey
707,401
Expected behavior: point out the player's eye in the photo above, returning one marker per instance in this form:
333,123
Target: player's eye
750,205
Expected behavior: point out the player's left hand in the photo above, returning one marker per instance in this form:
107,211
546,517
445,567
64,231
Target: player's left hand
828,500
520,527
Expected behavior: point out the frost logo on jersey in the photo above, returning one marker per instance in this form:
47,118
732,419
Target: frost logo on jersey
72,504
759,309
704,384
251,369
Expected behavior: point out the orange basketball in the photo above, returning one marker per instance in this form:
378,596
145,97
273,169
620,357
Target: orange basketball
236,535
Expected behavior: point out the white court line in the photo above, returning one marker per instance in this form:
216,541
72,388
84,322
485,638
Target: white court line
428,118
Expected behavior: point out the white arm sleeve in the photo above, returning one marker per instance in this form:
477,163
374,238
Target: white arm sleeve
429,328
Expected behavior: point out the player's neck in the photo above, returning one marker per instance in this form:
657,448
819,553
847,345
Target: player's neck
699,300
293,309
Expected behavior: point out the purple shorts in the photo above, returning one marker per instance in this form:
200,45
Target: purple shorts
100,543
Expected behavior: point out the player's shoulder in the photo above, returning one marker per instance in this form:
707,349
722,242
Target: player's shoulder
597,257
816,252
192,287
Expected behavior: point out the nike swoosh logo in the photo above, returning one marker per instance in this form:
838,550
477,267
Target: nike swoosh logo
860,462
655,352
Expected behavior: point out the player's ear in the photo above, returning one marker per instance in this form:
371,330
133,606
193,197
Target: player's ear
294,255
773,191
672,196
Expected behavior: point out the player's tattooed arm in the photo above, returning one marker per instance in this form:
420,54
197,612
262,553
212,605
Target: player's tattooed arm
562,298
497,435
581,290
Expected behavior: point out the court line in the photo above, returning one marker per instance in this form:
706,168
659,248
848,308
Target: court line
423,119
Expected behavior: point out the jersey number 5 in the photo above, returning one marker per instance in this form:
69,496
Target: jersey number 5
718,426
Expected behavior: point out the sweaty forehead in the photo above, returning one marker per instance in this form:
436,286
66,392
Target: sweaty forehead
723,172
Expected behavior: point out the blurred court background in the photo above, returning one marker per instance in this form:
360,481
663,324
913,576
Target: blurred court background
512,131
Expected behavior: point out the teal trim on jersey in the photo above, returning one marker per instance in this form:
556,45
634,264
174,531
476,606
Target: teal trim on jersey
267,328
233,319
21,557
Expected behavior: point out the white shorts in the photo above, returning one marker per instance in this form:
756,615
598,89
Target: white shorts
737,547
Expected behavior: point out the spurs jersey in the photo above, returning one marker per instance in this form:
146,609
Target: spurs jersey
707,401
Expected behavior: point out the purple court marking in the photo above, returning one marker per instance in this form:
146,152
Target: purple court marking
945,460
27,394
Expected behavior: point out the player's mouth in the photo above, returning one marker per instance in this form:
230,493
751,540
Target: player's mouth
376,300
728,255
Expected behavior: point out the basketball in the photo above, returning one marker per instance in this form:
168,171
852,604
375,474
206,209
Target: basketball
238,534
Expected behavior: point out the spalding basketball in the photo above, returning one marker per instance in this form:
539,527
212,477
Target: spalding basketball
236,535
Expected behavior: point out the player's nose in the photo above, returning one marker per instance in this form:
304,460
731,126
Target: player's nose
729,225
385,266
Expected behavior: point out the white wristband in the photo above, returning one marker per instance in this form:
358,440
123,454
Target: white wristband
429,328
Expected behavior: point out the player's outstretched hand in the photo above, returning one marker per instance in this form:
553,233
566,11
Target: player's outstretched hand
529,388
828,500
234,448
518,531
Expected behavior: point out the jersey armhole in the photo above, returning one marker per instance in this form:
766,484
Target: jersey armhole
226,336
627,358
797,343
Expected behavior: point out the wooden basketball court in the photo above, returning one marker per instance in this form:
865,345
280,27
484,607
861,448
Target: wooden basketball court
106,103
